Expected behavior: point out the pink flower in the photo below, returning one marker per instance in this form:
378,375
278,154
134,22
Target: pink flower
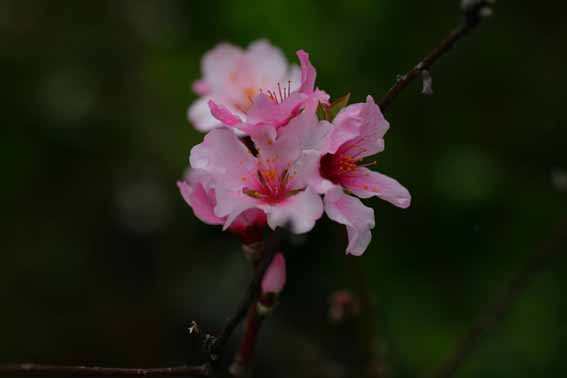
274,279
274,181
271,109
198,191
233,77
293,158
357,133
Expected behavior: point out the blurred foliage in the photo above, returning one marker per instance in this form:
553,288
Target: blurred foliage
103,263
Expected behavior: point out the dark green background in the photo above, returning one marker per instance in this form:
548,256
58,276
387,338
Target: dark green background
103,263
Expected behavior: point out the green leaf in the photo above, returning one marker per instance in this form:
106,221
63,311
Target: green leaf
321,113
332,110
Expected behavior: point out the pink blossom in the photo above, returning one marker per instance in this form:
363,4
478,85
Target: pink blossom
271,109
198,191
274,279
358,132
274,181
294,159
233,77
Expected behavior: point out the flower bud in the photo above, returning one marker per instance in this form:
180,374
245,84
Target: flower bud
343,303
274,279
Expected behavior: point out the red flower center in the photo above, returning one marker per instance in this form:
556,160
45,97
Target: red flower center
271,185
334,167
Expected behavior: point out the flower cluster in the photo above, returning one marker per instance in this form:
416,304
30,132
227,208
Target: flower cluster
279,152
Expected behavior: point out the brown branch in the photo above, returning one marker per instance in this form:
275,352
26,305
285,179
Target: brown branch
213,345
248,343
188,371
273,245
367,333
257,312
474,11
490,317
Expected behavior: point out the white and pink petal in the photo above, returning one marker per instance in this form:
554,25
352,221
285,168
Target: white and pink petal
357,218
301,211
365,183
224,157
267,62
200,115
199,194
219,64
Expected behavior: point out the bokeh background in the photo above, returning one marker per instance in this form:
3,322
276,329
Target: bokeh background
103,263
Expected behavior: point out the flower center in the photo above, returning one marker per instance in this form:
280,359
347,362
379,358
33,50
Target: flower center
270,183
283,94
249,93
334,167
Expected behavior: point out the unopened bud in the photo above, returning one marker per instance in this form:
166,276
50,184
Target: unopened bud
274,279
343,303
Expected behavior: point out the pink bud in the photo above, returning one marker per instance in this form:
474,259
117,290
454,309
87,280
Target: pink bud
275,276
343,303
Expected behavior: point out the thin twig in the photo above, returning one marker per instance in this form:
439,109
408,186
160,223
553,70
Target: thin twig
213,345
367,332
187,371
248,343
497,310
271,247
257,312
474,11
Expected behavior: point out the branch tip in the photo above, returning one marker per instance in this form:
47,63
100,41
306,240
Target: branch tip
474,10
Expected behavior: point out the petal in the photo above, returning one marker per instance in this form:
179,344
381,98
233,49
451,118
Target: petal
294,77
302,210
275,276
200,116
201,87
346,127
374,121
221,113
373,127
266,110
224,157
308,73
303,133
359,130
357,218
320,96
201,200
267,62
365,183
261,133
308,168
232,204
219,63
249,218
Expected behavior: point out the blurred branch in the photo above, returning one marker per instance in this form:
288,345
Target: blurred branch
473,12
248,343
188,371
213,345
375,364
272,245
497,310
260,307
